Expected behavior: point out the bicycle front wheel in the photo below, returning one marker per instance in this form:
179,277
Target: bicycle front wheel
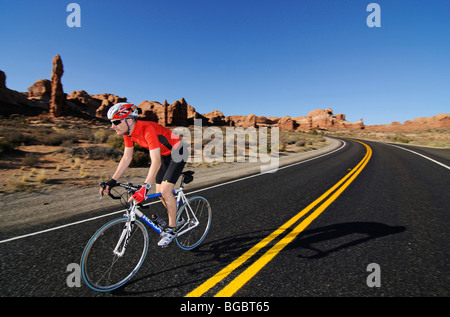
114,254
193,223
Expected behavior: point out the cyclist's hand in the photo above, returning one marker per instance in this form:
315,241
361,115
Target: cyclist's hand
106,186
140,195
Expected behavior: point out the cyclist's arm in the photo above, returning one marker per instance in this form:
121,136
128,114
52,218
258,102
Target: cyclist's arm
155,157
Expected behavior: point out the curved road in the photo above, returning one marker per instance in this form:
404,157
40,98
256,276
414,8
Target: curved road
368,220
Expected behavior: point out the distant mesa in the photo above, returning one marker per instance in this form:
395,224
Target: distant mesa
438,121
47,97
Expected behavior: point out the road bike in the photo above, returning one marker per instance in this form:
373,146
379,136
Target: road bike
116,252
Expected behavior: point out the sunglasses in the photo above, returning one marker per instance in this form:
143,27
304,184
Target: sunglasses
116,122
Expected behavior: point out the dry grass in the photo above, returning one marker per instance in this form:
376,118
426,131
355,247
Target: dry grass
432,137
36,154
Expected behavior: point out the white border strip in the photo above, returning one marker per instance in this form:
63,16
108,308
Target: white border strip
428,158
193,192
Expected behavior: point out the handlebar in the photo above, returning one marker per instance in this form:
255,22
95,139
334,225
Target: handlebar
131,189
128,186
186,178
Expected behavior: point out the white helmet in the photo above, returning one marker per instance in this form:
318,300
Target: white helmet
123,110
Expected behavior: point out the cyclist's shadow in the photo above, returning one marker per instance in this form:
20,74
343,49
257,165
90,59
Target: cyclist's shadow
328,237
210,256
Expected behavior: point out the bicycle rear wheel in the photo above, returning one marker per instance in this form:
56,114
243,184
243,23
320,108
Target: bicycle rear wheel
102,269
196,215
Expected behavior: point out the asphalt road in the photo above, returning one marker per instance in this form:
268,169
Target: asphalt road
389,209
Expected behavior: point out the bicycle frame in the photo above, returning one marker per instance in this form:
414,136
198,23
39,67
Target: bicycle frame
134,211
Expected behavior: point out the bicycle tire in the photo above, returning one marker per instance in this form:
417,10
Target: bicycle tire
189,238
98,258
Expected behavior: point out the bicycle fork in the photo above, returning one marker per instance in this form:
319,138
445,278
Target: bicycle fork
124,238
121,245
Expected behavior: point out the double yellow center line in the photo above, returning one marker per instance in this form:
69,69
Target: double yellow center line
253,269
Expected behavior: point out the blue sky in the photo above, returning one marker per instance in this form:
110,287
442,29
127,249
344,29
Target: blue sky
266,57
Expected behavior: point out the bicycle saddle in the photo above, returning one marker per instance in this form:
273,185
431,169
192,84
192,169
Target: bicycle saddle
188,176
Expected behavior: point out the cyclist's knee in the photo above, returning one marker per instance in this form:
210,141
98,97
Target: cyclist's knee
166,190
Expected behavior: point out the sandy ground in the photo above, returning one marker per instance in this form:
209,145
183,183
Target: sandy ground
24,210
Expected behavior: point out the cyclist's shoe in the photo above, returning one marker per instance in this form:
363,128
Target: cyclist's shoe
167,237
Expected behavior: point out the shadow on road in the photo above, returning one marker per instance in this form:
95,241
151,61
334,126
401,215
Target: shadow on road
211,256
320,242
193,267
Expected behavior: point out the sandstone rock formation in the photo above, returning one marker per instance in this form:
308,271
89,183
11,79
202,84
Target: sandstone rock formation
438,121
2,79
216,118
243,121
45,95
166,114
14,102
48,96
106,101
58,98
286,123
177,113
316,119
262,121
40,90
325,120
93,105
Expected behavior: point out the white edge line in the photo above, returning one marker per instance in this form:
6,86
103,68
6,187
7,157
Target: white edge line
428,158
190,193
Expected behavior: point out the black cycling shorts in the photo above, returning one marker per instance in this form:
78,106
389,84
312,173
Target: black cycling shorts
172,166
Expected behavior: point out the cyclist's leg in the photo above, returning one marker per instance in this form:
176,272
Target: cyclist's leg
171,175
165,161
169,201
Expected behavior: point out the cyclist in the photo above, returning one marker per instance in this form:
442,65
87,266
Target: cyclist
166,155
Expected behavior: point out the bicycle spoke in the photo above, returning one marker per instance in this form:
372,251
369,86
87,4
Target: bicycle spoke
102,272
197,214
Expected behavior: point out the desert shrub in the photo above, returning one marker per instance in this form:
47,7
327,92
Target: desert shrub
140,159
116,142
94,152
402,139
16,138
5,146
48,136
80,133
30,160
101,135
42,177
55,139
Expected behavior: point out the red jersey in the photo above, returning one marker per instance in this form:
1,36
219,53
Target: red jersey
151,135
